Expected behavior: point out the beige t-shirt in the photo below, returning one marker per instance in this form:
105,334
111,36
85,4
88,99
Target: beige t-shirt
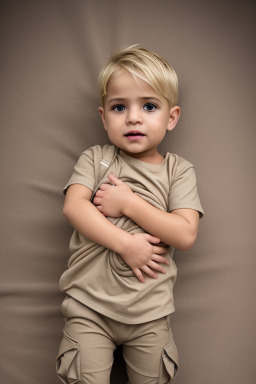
98,277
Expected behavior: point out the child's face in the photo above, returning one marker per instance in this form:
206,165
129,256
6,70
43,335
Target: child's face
136,118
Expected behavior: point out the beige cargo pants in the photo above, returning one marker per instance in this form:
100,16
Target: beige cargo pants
89,340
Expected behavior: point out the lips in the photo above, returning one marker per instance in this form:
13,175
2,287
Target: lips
134,135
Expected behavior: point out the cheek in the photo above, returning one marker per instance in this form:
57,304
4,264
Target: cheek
114,124
159,126
106,124
112,130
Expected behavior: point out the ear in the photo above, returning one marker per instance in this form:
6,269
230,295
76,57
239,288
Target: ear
173,118
102,115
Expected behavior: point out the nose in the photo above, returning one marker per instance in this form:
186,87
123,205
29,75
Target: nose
133,116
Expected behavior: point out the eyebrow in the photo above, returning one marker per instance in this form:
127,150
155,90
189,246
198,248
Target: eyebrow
121,99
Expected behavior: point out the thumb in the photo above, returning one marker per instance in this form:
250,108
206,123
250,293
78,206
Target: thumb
114,180
152,239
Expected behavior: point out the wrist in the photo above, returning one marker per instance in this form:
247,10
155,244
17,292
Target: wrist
129,205
123,242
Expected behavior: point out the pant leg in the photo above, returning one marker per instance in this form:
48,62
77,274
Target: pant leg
150,353
86,350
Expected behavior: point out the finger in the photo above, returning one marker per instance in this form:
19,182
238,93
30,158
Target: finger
139,275
160,259
99,193
148,271
114,180
160,250
152,239
157,267
104,187
97,201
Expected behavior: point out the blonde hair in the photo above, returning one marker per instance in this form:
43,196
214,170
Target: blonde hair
146,65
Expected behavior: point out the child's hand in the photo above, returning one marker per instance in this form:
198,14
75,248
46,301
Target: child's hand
111,199
143,256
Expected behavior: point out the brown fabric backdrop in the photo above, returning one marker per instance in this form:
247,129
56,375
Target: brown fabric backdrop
51,52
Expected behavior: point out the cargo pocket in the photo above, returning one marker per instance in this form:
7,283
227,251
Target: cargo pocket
169,363
68,364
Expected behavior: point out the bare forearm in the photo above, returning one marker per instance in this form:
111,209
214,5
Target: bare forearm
138,250
171,228
178,228
89,222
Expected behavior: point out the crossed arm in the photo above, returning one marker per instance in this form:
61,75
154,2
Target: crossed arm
141,251
177,228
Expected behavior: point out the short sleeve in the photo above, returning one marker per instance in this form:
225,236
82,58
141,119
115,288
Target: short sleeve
85,172
183,189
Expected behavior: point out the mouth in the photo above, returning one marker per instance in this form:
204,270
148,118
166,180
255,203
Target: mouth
134,135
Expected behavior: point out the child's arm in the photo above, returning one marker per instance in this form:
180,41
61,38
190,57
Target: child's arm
136,250
178,228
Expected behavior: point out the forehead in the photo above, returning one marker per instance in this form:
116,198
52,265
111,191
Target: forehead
123,83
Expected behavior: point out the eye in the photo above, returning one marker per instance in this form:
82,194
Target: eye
118,108
150,107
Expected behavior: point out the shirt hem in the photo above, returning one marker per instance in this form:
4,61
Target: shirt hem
188,206
126,320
